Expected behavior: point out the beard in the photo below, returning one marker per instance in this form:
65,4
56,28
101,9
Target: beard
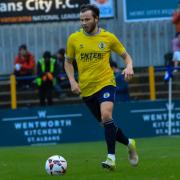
89,29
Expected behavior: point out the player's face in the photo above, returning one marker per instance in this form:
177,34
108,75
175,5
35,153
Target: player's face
88,22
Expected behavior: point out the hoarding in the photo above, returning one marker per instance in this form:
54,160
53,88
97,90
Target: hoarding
75,123
32,11
146,10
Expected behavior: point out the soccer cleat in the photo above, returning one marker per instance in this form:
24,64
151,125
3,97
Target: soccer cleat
133,156
109,164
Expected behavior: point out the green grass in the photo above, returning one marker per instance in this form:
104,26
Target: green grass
159,160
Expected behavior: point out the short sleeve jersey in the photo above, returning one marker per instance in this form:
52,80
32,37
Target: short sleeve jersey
92,55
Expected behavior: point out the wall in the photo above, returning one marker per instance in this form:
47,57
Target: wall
145,41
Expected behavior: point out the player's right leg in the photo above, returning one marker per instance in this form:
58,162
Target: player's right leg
109,131
110,134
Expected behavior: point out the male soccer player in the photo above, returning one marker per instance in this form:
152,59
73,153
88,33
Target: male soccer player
91,48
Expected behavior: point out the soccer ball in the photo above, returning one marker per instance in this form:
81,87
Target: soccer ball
56,165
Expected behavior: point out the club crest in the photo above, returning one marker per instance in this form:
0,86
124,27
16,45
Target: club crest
102,45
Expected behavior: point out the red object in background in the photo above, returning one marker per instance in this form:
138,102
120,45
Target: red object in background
27,62
101,1
176,21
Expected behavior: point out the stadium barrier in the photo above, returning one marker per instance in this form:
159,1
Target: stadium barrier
74,123
168,76
13,82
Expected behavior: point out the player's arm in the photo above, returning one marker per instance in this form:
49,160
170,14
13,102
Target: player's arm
128,71
68,66
119,48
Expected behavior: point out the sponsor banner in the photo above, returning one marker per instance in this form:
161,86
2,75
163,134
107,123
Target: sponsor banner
54,125
145,10
75,123
20,11
146,119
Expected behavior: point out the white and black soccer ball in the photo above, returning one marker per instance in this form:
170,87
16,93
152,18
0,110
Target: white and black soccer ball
56,165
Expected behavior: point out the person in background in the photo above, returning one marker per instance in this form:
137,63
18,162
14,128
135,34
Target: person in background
122,90
24,65
60,60
46,78
176,18
176,50
62,81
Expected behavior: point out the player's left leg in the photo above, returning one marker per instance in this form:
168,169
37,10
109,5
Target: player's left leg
131,146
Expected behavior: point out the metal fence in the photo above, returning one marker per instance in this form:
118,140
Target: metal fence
147,42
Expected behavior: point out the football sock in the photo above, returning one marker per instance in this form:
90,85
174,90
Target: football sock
130,141
112,156
120,137
110,136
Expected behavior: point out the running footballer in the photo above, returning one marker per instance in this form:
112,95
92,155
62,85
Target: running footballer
91,47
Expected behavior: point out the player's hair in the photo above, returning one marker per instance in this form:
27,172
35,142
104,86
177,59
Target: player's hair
92,7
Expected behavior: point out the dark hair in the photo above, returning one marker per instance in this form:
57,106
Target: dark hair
92,7
177,34
23,46
61,51
46,55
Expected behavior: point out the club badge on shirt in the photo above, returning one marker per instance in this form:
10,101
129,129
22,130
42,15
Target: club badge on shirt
102,45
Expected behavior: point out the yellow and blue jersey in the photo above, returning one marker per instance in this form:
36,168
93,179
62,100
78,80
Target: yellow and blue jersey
92,55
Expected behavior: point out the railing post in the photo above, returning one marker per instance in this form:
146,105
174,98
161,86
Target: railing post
152,83
13,91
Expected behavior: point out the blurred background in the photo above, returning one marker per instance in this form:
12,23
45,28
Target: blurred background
32,30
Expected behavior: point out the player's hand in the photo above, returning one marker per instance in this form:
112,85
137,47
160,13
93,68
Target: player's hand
128,72
75,87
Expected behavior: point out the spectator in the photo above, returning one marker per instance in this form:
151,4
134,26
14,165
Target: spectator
122,91
46,78
61,78
176,49
176,18
60,59
24,65
62,82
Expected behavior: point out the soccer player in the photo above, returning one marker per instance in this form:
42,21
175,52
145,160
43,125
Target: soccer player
91,48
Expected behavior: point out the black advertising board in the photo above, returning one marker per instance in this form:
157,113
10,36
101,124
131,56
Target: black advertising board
31,11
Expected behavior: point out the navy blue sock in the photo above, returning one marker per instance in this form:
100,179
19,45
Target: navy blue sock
110,136
120,137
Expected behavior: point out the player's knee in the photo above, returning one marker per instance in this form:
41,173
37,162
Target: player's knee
106,116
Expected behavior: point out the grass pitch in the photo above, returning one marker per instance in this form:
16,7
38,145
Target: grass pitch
159,160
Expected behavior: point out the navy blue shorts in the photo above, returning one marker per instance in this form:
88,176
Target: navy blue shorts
93,102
